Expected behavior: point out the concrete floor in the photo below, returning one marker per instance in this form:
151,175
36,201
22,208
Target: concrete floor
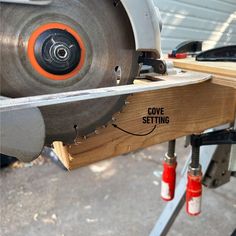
118,197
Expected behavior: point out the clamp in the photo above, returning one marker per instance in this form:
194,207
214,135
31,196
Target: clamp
194,183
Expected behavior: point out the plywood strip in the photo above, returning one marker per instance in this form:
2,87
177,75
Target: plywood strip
177,80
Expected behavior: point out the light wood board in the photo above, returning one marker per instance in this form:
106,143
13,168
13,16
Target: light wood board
225,69
191,109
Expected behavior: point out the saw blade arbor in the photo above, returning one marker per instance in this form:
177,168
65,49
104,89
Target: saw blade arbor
66,46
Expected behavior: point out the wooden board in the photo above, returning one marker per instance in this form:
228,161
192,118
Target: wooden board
225,69
191,109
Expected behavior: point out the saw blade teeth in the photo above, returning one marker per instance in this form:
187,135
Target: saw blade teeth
96,132
77,142
127,102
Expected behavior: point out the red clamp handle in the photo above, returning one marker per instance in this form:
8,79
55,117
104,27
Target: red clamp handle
178,55
194,194
168,181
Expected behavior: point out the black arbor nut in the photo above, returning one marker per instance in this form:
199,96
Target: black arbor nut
57,51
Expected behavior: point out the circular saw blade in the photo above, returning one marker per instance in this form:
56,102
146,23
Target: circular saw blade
110,60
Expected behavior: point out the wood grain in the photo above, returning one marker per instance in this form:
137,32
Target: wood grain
192,109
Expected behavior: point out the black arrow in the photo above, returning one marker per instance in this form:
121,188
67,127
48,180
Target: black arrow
140,135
